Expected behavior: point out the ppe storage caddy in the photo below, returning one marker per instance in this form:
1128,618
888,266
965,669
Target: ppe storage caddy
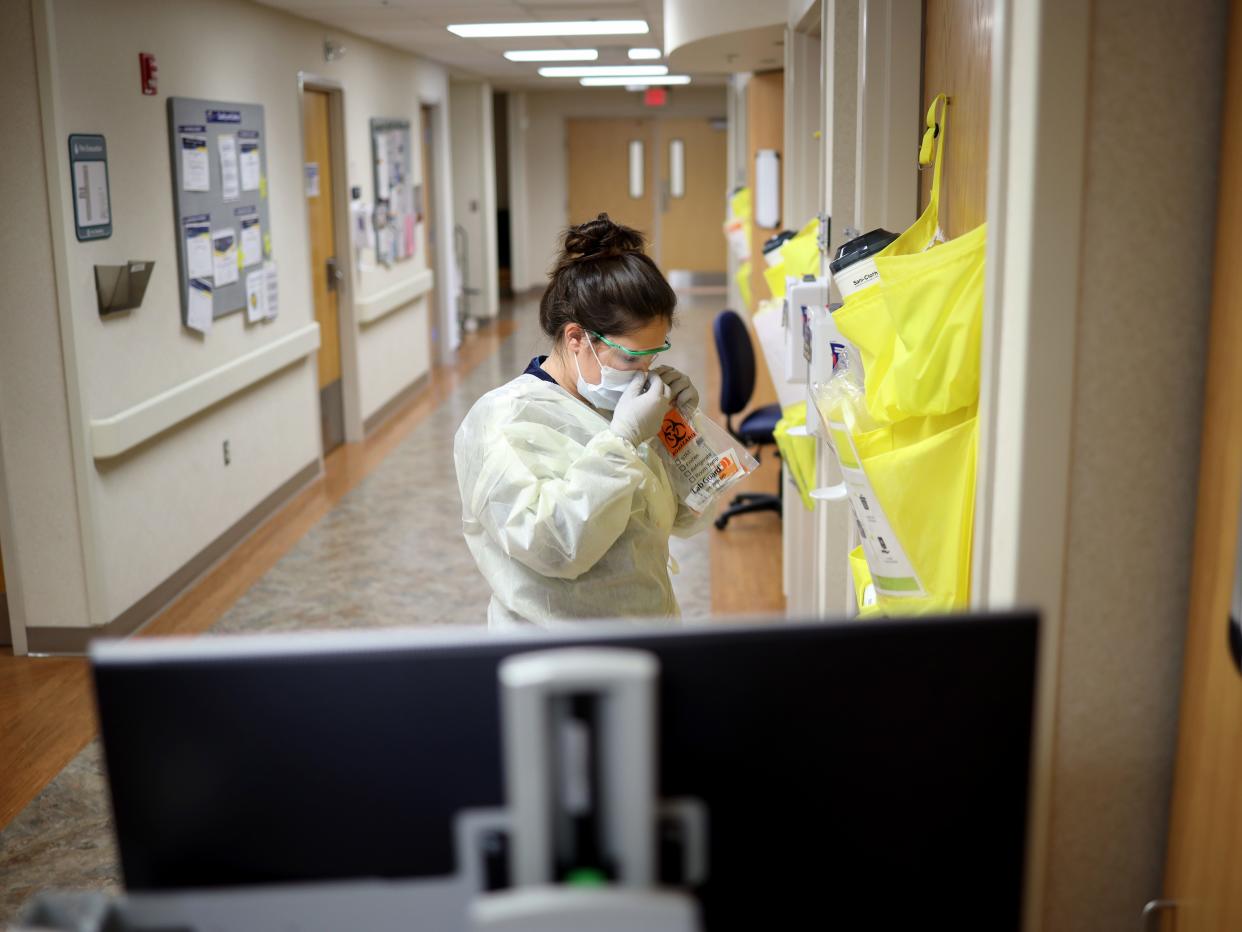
908,441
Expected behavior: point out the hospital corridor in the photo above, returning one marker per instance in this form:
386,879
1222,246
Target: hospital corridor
618,465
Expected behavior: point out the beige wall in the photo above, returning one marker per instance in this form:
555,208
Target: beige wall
544,169
803,124
393,352
474,189
146,513
1153,126
45,576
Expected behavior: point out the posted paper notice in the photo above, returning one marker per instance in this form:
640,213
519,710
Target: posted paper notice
224,257
381,166
230,181
90,184
311,179
195,163
256,296
251,241
198,313
272,286
250,166
198,262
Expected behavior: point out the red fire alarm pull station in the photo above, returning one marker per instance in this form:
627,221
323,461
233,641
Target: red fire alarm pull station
655,97
149,71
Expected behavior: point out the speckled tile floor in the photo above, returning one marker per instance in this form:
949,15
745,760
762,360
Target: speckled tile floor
390,553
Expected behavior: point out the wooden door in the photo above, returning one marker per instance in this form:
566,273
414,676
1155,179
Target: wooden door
320,210
1203,872
690,224
599,172
957,60
426,134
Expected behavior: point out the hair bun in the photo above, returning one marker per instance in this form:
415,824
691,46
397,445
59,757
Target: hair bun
600,237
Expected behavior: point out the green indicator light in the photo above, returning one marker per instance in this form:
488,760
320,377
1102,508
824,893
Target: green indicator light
585,877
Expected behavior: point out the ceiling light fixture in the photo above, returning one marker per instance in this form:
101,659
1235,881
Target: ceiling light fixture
627,82
598,71
645,54
554,55
600,27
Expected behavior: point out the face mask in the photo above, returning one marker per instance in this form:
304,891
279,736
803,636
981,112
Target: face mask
612,384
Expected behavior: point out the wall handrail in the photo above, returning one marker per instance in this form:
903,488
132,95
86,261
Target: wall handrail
114,435
371,308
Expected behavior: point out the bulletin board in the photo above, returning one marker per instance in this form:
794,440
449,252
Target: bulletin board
395,214
220,197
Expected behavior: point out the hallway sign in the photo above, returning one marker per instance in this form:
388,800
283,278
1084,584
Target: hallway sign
88,173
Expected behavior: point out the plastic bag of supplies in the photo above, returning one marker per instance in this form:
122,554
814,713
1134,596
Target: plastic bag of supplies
702,459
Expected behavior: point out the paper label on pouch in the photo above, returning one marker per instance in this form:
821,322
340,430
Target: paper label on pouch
892,573
858,276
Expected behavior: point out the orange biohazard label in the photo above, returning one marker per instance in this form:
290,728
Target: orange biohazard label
675,432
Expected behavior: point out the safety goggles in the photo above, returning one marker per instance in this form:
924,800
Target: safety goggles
632,353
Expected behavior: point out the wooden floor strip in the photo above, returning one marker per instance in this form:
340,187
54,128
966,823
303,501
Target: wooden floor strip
746,562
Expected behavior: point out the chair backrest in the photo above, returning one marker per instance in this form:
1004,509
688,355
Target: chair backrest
737,362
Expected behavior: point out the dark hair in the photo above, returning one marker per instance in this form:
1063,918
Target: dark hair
603,281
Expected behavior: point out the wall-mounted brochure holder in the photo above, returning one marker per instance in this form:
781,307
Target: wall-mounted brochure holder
122,287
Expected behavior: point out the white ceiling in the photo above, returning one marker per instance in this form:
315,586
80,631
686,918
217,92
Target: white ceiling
419,26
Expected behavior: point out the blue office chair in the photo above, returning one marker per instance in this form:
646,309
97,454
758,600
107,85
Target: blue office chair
737,384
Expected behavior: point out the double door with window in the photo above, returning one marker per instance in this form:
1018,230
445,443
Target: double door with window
664,177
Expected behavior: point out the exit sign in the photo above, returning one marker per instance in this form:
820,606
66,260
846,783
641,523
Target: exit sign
655,96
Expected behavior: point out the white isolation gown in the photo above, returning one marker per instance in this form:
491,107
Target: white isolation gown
566,520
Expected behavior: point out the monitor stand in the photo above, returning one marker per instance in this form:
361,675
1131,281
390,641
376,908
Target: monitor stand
580,776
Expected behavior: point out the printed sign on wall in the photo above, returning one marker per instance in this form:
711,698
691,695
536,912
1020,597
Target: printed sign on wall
88,173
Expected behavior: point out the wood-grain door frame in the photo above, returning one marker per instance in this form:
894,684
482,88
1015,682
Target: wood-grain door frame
440,199
1036,167
1202,850
347,317
886,181
428,165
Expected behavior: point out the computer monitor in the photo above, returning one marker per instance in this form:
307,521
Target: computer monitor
855,775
